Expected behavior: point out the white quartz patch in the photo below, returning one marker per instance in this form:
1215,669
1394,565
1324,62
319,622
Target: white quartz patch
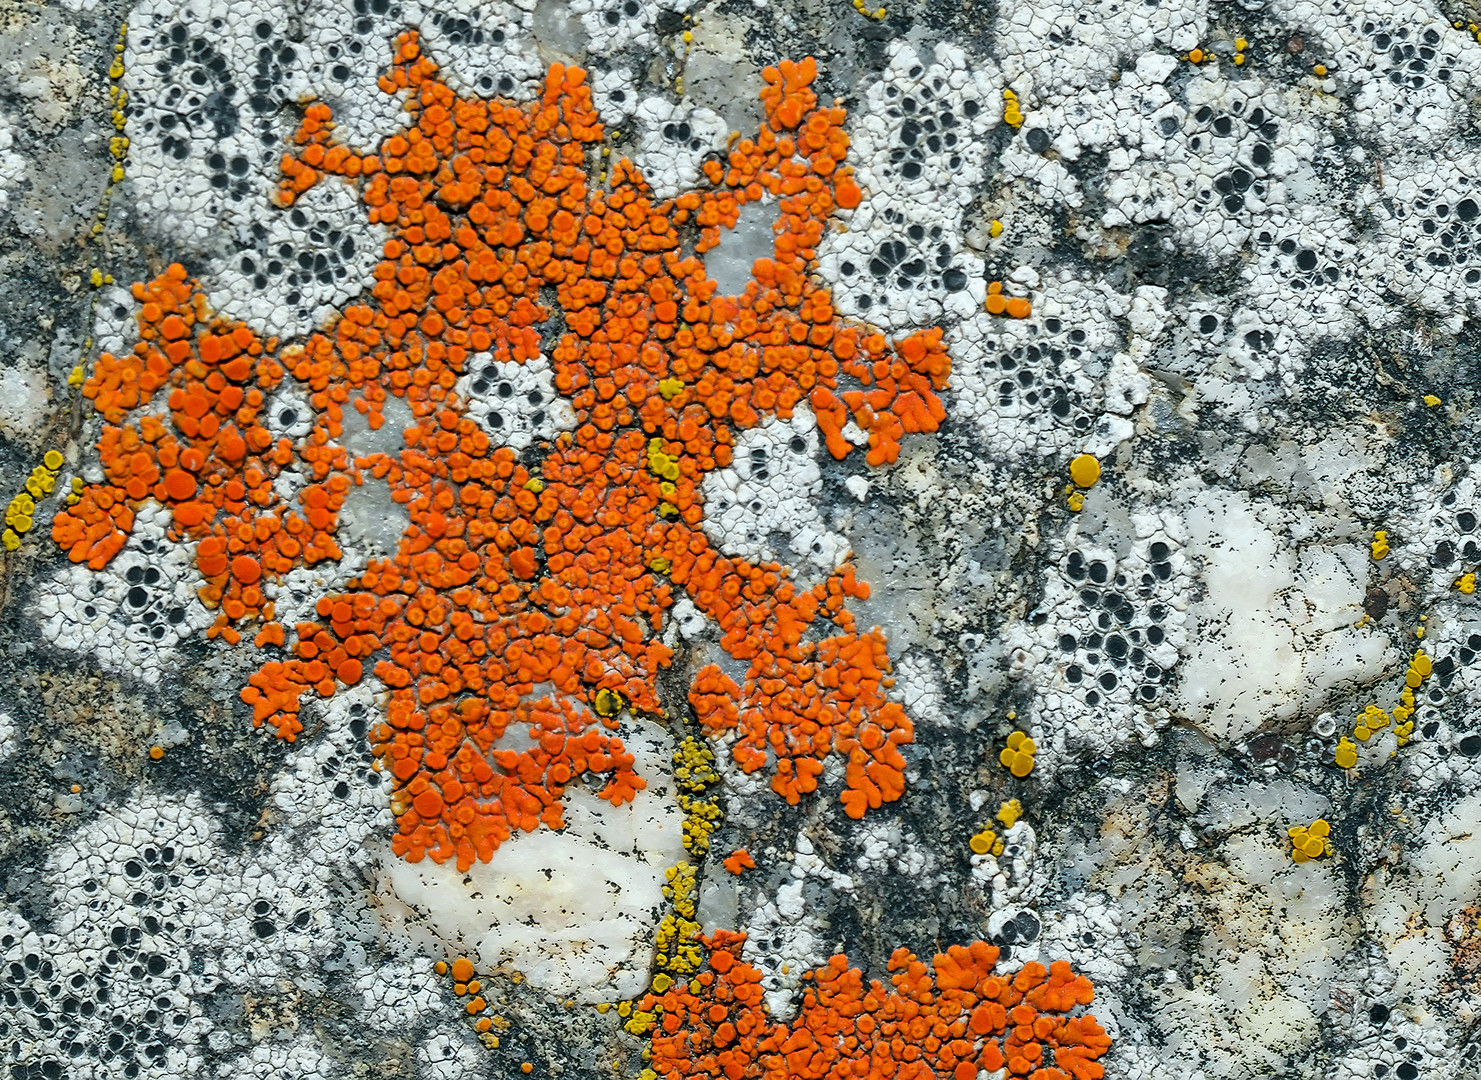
1276,626
24,399
573,911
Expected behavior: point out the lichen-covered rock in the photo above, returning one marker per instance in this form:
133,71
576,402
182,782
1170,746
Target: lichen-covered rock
643,538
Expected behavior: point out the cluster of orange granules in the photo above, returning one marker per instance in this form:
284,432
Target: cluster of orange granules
949,1019
209,456
551,573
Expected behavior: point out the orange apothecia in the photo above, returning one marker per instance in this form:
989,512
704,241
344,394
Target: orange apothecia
950,1018
1000,303
739,861
543,571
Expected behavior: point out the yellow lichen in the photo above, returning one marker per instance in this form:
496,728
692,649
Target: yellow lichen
1012,114
985,843
1085,470
694,773
1018,756
1419,670
1373,719
665,466
1310,841
1010,812
20,513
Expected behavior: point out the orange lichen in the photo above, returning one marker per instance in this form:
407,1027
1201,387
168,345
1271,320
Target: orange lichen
950,1018
739,861
1000,303
556,571
208,457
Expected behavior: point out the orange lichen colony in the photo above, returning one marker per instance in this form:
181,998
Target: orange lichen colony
739,861
950,1019
522,574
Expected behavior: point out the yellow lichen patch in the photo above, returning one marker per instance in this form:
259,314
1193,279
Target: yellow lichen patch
986,842
1405,708
118,144
680,952
1084,470
1018,756
1374,719
660,464
1403,732
607,703
1419,670
1371,719
20,513
1347,753
1310,841
677,940
1431,400
1320,71
1466,583
1012,114
1010,812
877,14
1379,546
694,772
